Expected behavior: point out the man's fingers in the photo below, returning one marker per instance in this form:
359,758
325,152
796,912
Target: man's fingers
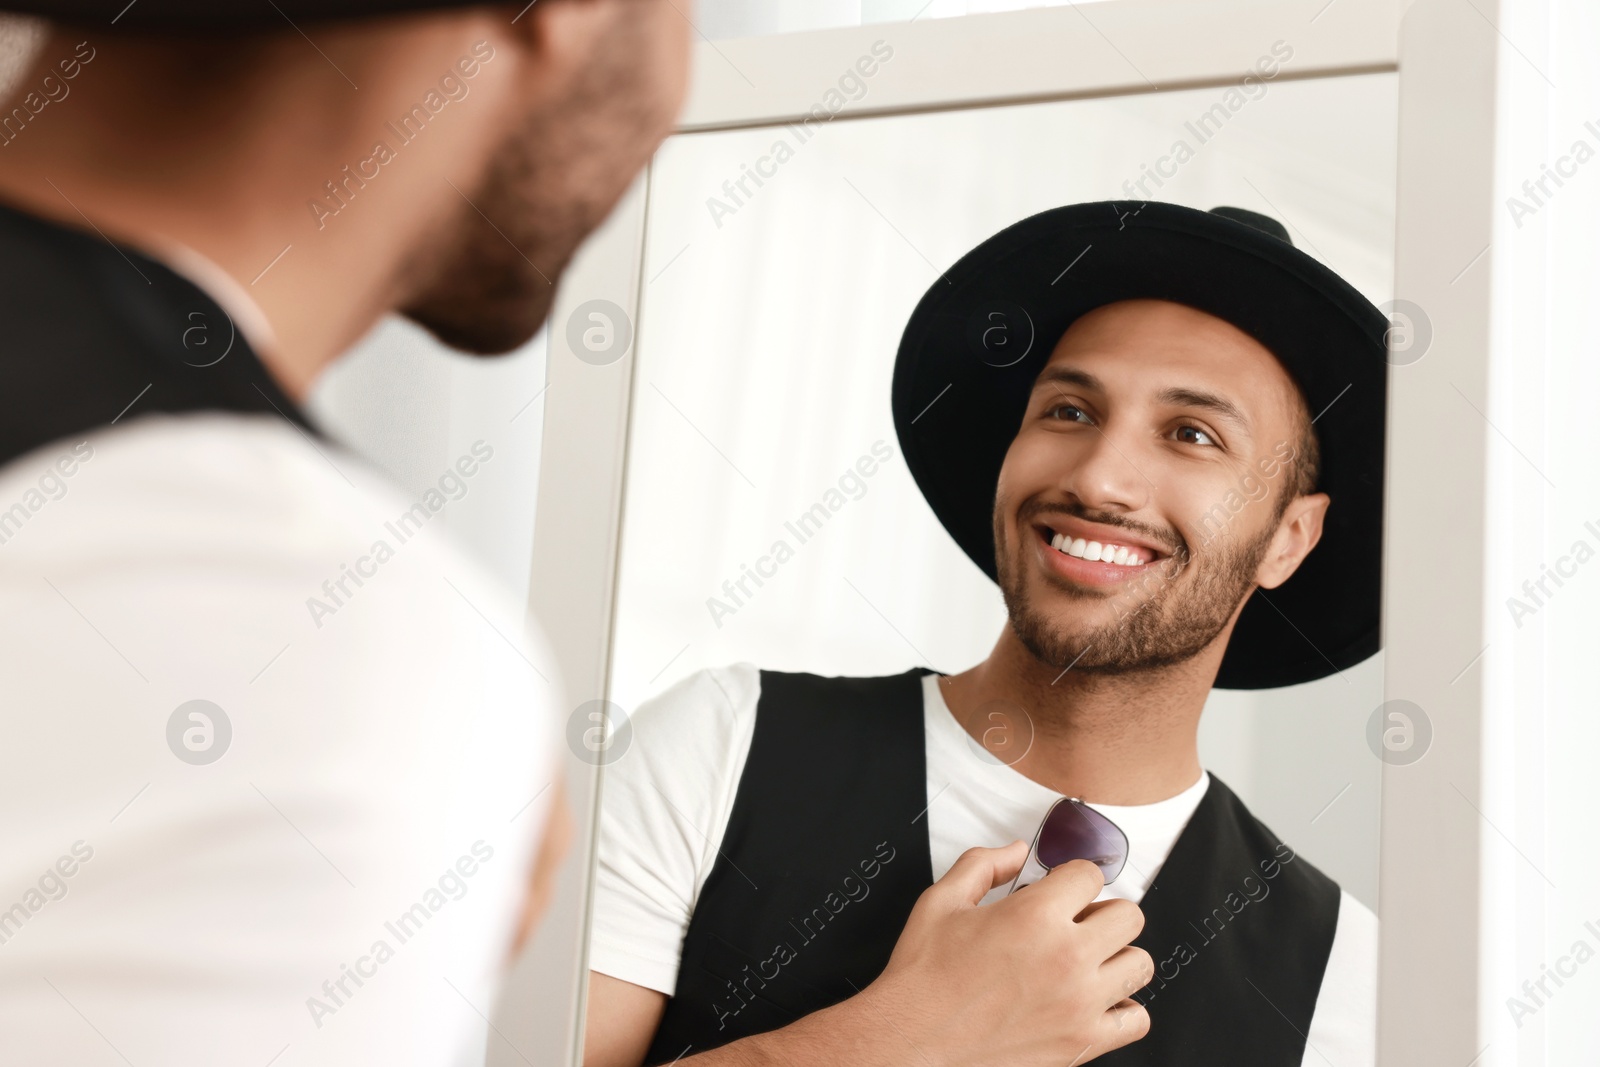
1124,974
1123,1024
1071,886
1108,925
979,870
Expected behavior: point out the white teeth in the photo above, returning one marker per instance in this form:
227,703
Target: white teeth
1096,551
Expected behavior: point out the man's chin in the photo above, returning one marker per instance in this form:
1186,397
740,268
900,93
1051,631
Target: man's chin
1103,652
484,327
1060,638
1090,631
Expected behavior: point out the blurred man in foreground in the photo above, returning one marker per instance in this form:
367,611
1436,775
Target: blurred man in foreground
277,754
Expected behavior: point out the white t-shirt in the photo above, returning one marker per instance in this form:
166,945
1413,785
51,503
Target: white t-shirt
340,886
665,805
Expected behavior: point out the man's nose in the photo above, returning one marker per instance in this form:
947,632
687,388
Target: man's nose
1107,474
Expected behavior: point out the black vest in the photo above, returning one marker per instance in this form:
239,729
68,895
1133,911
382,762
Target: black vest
97,333
826,851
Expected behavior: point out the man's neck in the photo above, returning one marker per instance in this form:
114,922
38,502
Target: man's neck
1109,739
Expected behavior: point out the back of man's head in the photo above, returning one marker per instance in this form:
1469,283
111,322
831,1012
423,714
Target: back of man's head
444,163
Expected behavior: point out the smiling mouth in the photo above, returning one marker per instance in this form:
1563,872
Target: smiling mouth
1113,552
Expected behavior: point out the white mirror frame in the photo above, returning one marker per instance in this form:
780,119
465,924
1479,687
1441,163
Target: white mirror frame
1435,942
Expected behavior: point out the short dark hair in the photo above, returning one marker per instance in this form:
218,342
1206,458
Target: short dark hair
1302,479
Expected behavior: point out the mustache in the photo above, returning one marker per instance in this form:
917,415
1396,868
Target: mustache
1168,539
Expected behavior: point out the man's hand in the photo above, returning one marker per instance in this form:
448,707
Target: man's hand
1042,977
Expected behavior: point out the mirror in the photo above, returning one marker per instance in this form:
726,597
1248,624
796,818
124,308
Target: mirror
769,518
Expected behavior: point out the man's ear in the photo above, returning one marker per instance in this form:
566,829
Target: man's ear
1297,534
560,36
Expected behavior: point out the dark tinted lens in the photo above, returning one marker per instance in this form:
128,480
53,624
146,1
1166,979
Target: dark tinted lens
1075,831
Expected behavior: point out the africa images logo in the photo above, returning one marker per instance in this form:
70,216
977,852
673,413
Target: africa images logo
199,732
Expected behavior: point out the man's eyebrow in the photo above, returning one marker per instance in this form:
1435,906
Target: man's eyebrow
1195,398
1058,375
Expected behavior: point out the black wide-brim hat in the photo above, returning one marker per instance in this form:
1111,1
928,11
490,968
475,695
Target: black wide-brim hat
979,337
215,14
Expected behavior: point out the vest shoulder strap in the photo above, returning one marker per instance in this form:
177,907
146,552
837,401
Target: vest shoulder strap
1240,929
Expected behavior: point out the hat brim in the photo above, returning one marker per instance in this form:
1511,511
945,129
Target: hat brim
958,398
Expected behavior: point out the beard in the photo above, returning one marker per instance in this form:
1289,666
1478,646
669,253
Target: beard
485,292
1167,615
486,282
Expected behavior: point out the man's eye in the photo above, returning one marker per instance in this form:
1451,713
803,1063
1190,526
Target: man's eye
1200,437
1067,413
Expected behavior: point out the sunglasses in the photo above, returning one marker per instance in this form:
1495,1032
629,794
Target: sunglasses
1072,830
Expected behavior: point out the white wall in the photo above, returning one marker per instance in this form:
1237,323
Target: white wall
1490,881
1542,803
